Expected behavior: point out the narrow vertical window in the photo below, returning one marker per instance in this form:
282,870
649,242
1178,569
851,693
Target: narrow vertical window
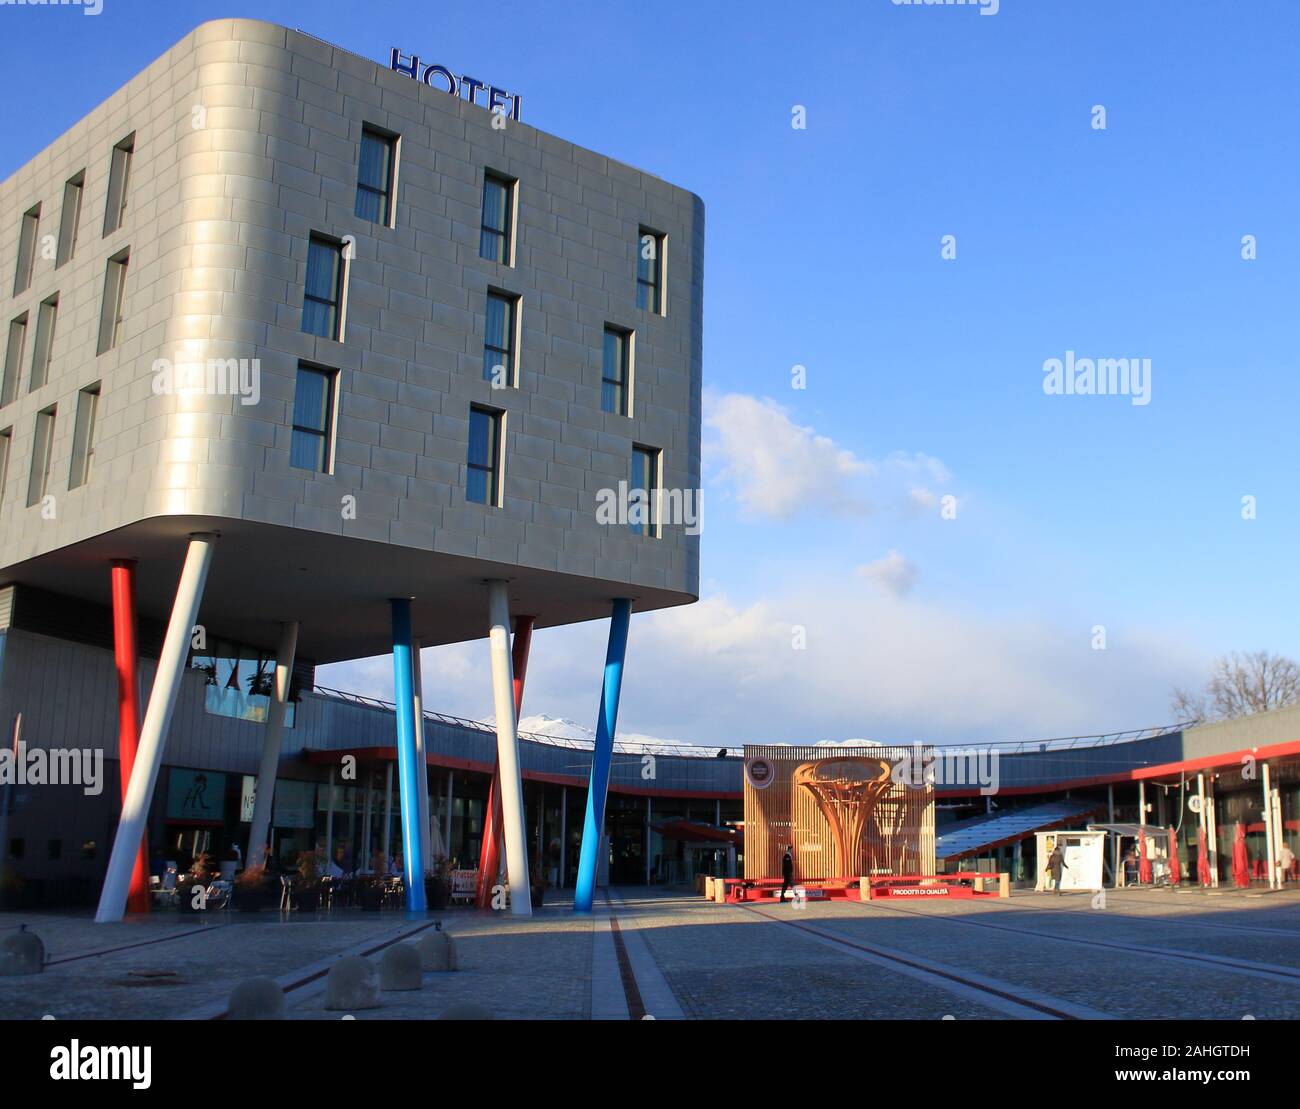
13,359
323,289
6,440
83,435
70,218
483,480
27,249
643,490
42,449
110,309
46,316
119,183
375,174
495,241
616,371
499,341
650,271
313,420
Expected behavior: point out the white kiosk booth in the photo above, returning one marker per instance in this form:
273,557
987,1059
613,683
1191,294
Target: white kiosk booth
1083,853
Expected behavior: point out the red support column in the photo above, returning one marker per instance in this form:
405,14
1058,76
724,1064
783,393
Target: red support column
489,859
127,656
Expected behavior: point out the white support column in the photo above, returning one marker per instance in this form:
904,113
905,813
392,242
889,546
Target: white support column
1279,832
329,825
1213,817
259,833
512,786
153,732
1270,844
1142,823
564,833
1114,839
366,839
446,818
422,778
1200,792
387,838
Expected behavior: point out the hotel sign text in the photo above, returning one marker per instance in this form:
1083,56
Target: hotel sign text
440,77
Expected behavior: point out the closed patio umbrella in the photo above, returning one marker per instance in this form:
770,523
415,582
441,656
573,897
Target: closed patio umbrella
1202,860
1240,859
1144,861
1175,867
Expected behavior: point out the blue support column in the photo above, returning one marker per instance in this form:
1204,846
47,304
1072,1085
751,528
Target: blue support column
598,786
408,768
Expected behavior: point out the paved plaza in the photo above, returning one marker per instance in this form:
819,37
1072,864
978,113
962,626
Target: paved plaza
672,955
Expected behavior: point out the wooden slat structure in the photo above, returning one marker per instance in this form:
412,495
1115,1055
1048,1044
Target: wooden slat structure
815,797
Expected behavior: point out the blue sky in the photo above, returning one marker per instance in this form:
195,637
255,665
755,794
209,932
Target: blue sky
823,250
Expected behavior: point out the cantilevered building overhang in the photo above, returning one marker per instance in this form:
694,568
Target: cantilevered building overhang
334,363
245,144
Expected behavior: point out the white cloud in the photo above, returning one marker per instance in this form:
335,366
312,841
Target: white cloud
894,573
777,468
722,672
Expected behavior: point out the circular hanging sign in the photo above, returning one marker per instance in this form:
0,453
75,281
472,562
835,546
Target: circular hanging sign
759,772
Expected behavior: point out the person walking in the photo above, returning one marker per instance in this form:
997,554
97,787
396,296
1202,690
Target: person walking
787,872
1055,864
1285,860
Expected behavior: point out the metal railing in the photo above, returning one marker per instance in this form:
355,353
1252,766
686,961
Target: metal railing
686,750
694,750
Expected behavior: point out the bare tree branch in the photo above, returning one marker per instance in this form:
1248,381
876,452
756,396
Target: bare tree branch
1241,684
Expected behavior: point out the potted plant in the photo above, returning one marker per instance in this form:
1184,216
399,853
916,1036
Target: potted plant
306,887
369,884
252,890
437,883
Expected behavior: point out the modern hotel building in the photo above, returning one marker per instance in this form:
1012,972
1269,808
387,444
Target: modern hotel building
354,360
464,330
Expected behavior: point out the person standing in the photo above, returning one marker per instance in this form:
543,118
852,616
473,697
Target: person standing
787,871
1286,860
1055,864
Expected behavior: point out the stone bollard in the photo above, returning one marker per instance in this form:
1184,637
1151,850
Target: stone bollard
399,968
21,952
352,983
437,951
465,1010
257,999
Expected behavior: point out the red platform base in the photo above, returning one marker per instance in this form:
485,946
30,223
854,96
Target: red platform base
908,887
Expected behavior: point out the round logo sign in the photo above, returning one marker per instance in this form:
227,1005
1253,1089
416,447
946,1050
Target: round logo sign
1194,803
759,773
